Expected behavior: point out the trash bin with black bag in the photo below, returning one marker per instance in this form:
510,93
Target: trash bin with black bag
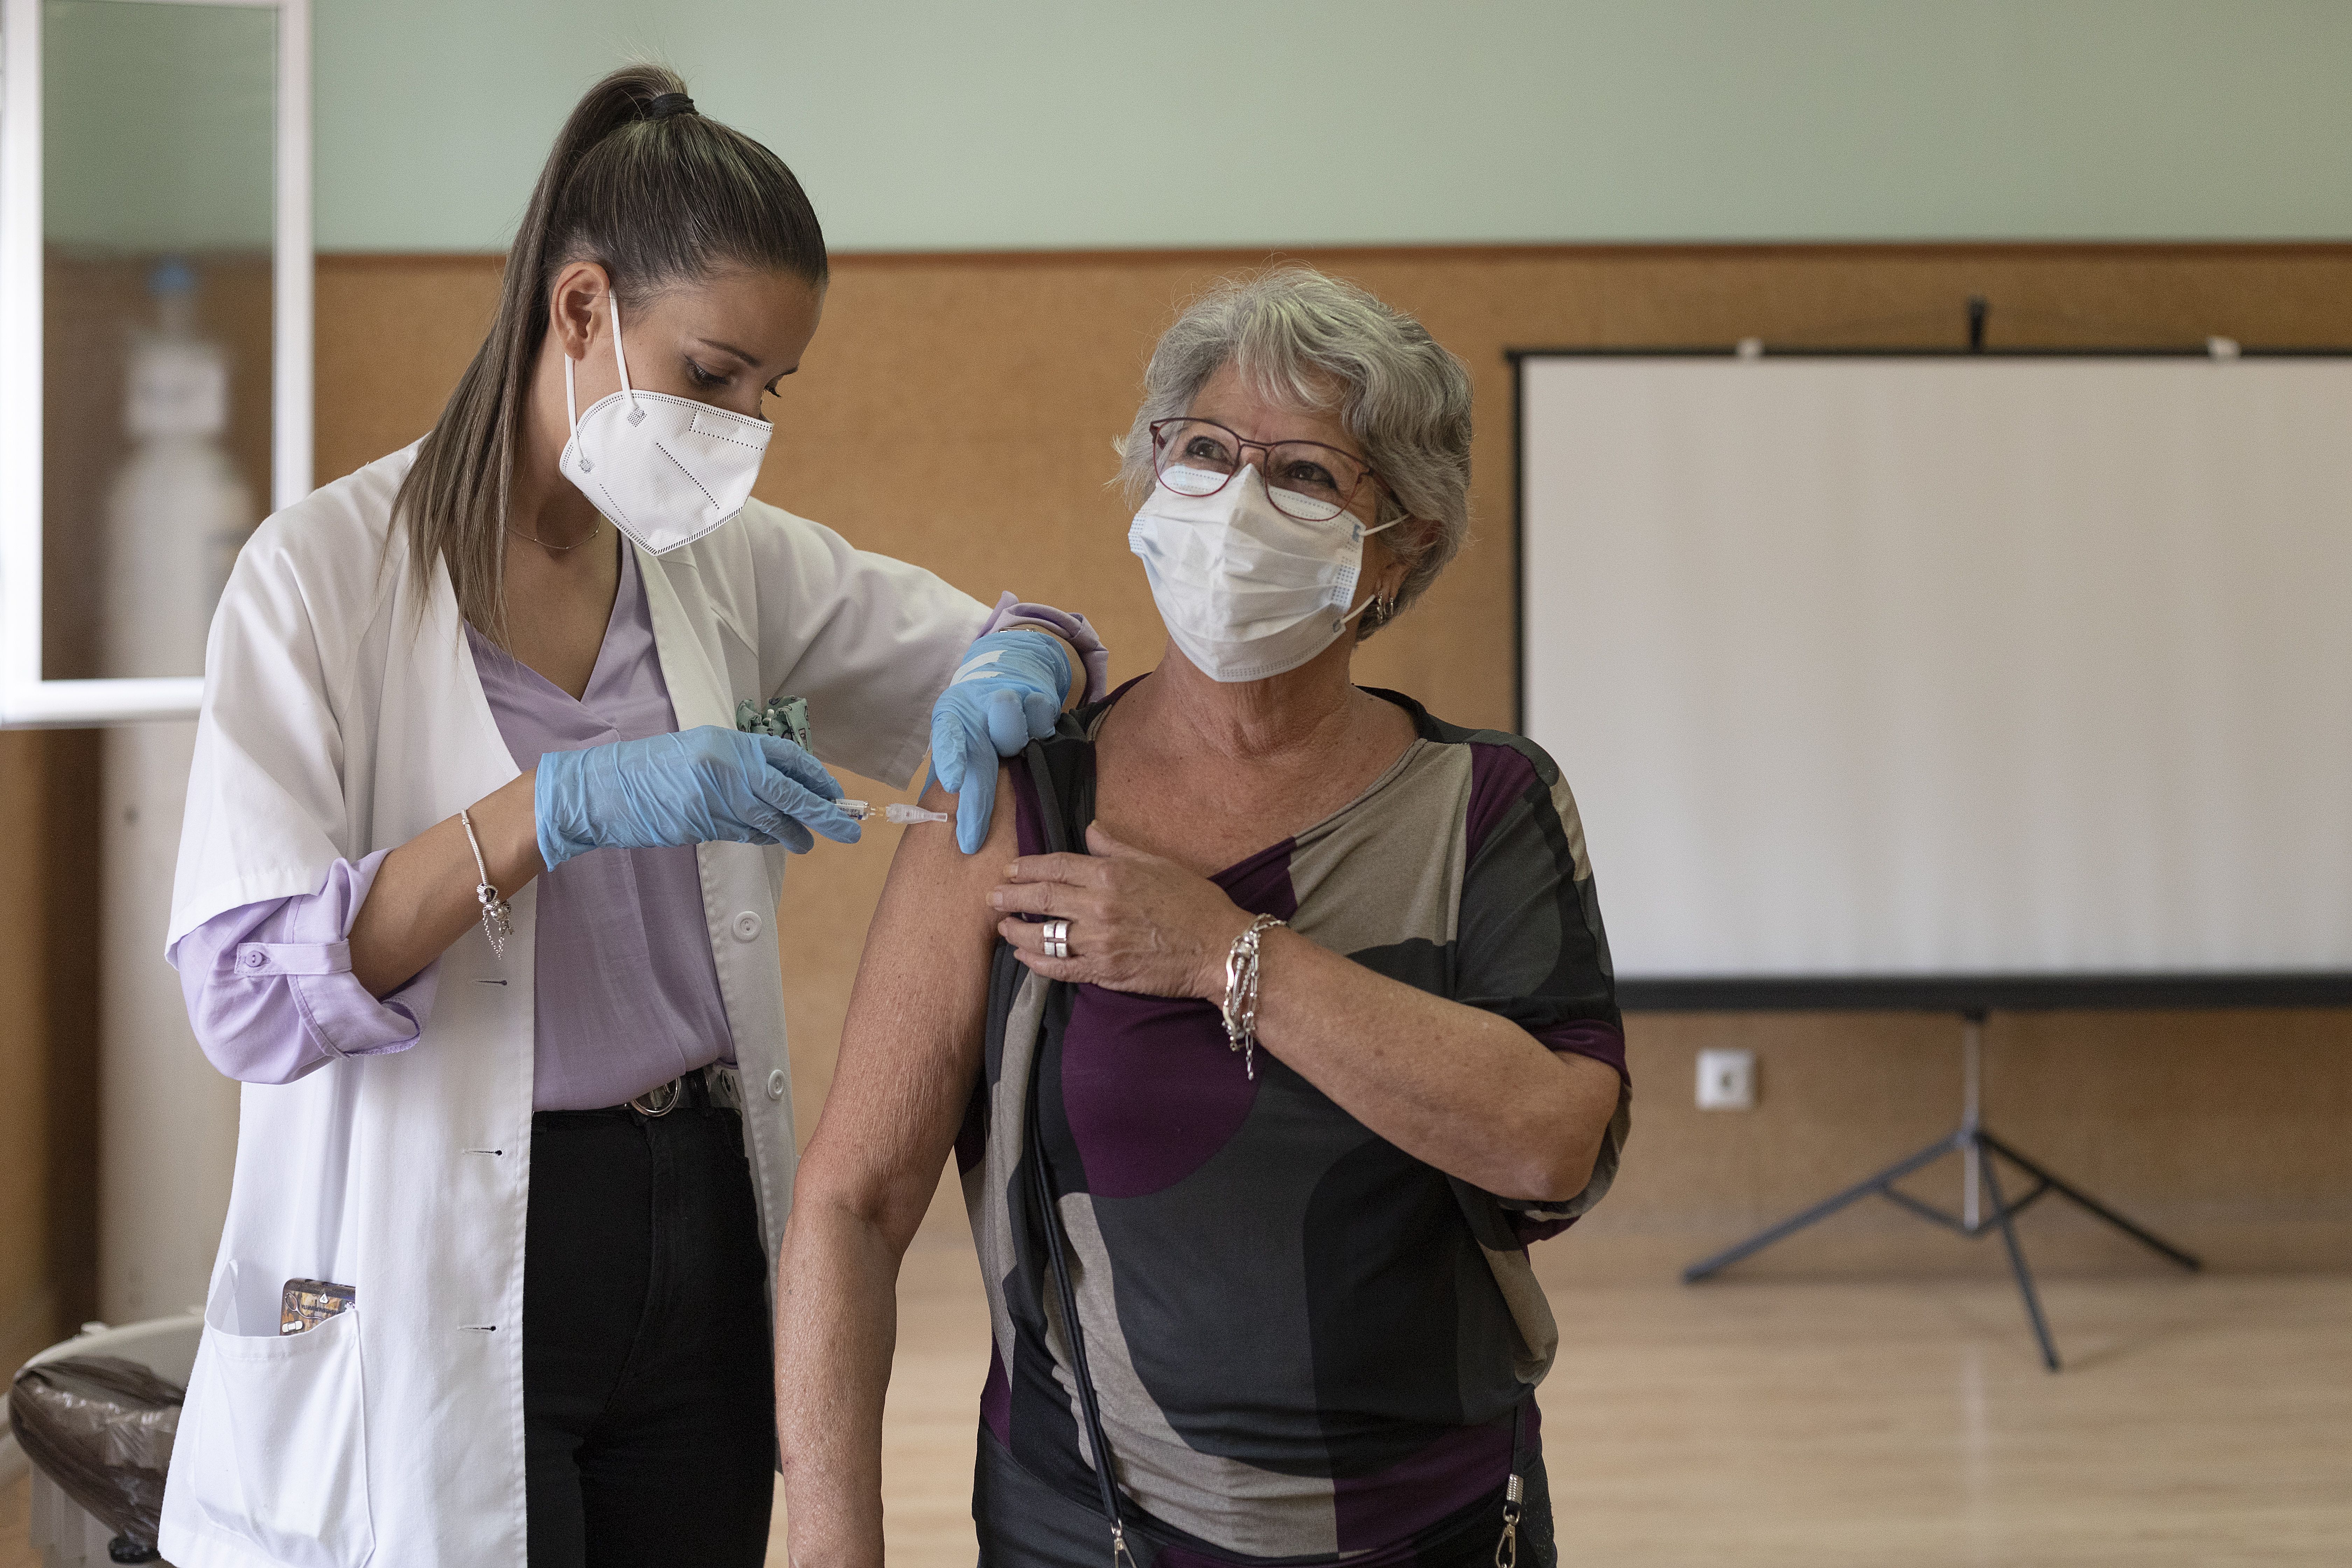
98,1429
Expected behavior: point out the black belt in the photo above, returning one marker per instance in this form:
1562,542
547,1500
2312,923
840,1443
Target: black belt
688,1088
704,1089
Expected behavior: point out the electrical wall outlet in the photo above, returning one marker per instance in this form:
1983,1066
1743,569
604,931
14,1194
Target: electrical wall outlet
1726,1079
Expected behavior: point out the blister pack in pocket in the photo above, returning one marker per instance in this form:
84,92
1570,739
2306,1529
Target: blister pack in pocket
273,1441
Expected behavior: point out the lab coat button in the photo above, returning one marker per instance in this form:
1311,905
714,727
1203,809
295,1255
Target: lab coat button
775,1083
747,926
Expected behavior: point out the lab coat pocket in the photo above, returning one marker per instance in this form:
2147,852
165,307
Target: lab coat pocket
275,1439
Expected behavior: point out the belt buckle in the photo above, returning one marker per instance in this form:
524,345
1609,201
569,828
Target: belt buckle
658,1101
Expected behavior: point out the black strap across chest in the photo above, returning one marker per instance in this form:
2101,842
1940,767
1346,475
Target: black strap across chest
1059,799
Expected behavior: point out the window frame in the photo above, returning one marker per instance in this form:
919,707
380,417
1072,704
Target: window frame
27,699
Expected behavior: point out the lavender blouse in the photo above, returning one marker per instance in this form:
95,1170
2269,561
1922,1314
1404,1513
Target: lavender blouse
627,993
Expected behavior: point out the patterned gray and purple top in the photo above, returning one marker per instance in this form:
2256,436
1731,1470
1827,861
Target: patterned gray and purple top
1305,1341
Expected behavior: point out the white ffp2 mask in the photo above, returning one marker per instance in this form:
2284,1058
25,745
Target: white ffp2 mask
665,469
1246,590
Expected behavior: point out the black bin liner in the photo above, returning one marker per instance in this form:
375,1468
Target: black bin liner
102,1429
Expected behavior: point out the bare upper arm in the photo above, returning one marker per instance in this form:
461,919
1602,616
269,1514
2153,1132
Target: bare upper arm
911,1045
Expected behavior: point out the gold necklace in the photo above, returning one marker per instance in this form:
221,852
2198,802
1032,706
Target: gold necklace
558,549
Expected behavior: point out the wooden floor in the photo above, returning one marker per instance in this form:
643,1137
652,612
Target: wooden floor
2202,1421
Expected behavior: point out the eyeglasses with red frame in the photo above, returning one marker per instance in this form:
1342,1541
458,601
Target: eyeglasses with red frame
1312,481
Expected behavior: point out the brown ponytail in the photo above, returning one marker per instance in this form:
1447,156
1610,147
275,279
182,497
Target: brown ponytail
654,193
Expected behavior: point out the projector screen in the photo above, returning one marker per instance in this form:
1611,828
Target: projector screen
1948,666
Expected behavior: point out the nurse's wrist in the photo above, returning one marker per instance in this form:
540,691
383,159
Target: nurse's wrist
507,821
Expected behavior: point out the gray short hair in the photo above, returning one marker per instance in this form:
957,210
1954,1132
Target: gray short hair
1294,332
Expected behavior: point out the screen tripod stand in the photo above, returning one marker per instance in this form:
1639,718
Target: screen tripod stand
1985,1206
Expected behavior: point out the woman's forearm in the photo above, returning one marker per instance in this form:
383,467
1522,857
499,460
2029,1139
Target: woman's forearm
910,1051
836,1326
423,898
1470,1092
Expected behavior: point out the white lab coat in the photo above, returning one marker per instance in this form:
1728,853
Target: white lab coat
342,715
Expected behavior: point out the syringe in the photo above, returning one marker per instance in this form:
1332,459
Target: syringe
898,811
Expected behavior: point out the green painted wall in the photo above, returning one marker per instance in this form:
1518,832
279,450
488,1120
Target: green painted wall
157,125
924,124
1022,123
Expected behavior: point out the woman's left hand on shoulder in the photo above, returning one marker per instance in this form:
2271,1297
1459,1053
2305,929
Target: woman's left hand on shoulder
1138,923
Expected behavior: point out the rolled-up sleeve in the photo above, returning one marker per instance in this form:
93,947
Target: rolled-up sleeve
270,991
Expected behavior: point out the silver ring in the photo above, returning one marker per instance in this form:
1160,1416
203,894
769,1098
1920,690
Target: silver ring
1057,939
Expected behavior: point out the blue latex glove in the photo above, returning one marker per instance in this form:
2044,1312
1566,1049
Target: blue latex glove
1006,693
704,785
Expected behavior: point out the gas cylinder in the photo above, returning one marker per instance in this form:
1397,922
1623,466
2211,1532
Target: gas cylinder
176,514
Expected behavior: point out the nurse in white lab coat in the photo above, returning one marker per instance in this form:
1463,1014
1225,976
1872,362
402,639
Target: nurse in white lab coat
430,683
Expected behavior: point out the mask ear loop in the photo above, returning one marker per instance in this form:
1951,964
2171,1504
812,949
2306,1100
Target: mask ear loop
1370,600
571,394
636,415
1363,533
571,413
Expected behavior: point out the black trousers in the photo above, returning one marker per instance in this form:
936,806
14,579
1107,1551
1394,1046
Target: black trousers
648,1403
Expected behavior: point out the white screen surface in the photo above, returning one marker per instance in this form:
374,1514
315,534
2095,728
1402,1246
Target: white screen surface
1932,667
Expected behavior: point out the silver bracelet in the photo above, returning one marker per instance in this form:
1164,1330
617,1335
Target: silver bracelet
498,915
1241,992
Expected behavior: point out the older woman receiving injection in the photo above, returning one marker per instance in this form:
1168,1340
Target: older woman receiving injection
1272,1026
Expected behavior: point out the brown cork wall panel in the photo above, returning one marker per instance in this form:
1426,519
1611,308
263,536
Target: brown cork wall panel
27,1290
959,410
394,334
49,1034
